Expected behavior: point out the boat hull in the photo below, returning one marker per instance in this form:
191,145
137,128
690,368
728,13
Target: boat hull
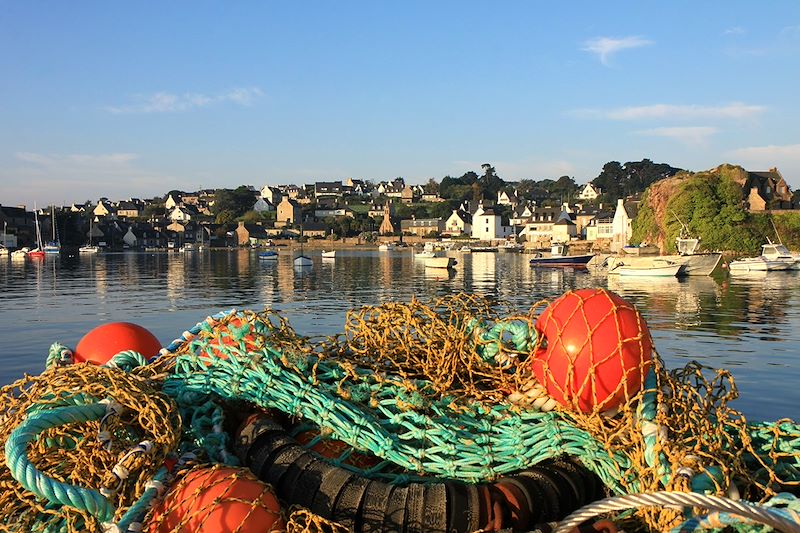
757,264
650,271
575,261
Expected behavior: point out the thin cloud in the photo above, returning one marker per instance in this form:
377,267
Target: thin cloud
688,135
57,178
735,110
605,47
736,30
768,153
163,102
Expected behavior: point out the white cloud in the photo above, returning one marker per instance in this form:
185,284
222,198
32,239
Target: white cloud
768,153
163,102
691,135
785,157
736,30
735,110
605,47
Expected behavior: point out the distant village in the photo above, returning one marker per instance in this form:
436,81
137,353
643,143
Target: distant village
480,208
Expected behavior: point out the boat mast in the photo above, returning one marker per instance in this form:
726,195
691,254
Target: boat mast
38,229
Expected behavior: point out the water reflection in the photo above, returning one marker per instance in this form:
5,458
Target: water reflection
750,324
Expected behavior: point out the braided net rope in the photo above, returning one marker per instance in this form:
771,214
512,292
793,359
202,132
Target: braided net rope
81,455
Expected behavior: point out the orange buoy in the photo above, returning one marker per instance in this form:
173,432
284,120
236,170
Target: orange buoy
595,352
219,499
333,449
104,342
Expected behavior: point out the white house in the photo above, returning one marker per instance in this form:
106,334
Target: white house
621,224
458,223
507,197
487,225
271,194
589,192
182,213
171,202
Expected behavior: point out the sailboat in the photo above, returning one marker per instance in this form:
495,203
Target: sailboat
53,246
89,248
3,250
329,254
302,260
38,252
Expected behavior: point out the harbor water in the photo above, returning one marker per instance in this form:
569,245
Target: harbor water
747,324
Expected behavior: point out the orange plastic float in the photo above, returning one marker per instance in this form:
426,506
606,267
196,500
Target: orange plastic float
595,352
104,342
219,499
333,449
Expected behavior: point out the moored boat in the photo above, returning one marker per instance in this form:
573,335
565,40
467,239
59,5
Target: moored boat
386,246
328,254
268,255
559,258
653,270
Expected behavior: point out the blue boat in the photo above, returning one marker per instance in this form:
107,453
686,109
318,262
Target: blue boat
559,258
267,256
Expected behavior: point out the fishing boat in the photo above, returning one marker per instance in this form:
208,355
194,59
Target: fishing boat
329,254
559,257
510,246
53,246
425,254
667,269
269,255
440,262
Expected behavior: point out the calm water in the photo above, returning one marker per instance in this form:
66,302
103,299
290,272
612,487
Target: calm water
750,326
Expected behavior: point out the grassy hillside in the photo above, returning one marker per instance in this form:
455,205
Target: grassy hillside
710,204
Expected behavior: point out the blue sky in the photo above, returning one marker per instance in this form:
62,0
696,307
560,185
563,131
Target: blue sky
134,99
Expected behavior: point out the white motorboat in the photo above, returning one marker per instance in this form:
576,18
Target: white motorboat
386,246
329,254
425,254
757,264
88,249
778,252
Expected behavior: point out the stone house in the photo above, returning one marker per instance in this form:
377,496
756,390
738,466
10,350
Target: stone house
288,213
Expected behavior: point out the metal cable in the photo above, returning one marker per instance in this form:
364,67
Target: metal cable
762,515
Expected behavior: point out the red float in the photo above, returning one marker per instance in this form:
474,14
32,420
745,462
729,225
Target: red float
333,449
595,352
104,342
220,499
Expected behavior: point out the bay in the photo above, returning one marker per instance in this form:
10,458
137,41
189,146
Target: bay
748,325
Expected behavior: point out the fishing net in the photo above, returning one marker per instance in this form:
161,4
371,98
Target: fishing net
457,388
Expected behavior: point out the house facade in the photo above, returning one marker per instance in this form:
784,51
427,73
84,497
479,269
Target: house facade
422,227
458,223
589,192
288,213
487,225
621,224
